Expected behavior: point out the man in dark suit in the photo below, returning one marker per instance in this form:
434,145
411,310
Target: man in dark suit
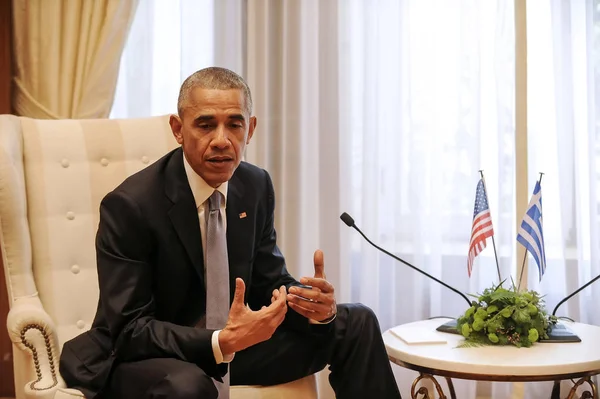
149,337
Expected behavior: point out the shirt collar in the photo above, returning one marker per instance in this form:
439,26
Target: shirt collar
201,190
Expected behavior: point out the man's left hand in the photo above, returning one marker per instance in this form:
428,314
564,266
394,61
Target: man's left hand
317,303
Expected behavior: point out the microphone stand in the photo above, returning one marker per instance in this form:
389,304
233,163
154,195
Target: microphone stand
350,222
574,293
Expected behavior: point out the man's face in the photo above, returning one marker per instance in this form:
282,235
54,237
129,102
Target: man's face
213,131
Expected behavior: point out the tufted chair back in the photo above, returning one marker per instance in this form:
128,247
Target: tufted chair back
68,167
53,175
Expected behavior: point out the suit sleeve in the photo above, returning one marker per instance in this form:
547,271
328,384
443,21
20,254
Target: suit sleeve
124,246
269,270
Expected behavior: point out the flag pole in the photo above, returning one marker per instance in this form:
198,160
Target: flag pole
525,256
493,241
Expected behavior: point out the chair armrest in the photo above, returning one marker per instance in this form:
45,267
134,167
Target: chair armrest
32,331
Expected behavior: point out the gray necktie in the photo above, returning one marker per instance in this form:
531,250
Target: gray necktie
217,275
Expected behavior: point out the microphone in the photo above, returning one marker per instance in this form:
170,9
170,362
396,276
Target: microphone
350,223
574,293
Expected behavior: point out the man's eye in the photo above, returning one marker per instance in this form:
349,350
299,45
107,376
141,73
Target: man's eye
236,126
204,126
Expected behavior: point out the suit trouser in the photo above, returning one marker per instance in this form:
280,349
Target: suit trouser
353,348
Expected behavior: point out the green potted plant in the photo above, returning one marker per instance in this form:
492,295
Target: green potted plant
501,316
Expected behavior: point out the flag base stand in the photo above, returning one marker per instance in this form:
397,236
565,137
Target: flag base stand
556,333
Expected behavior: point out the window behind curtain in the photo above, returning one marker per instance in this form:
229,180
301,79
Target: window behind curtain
169,40
563,142
428,101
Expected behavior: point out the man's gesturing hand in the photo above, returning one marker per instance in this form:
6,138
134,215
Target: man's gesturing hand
317,303
246,327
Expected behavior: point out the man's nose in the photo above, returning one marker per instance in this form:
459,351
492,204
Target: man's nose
221,139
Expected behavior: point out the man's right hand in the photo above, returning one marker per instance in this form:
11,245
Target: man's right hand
246,327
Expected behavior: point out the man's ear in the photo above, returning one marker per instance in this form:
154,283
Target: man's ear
176,125
251,127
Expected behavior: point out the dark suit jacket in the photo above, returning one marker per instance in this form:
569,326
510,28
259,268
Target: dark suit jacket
151,271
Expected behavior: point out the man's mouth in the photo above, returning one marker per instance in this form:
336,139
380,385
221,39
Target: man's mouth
220,160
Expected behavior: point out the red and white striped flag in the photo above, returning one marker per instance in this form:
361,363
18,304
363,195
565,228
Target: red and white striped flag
482,225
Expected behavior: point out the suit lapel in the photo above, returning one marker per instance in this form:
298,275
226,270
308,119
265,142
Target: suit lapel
239,228
183,213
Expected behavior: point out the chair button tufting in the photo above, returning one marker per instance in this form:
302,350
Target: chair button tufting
104,162
145,159
64,163
70,215
80,324
75,269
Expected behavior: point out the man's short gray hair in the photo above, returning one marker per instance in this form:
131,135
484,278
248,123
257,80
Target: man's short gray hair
213,78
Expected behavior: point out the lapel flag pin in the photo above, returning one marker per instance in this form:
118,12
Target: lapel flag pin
243,215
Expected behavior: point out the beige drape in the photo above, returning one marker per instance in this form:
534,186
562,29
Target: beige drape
67,56
292,68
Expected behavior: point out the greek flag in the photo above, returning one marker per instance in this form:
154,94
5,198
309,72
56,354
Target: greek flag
531,234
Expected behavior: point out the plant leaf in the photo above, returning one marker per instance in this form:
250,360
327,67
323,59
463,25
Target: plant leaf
503,297
472,344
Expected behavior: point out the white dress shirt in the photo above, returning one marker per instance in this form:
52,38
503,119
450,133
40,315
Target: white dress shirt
202,192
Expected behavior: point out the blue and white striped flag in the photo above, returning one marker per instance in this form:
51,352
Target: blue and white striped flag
531,233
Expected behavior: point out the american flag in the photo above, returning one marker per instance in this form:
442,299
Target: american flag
482,225
531,232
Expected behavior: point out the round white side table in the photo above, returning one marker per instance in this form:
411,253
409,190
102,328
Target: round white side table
541,362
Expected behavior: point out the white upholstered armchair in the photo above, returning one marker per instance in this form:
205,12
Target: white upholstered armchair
53,175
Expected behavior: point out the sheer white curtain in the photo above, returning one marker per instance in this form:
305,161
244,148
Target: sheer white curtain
564,132
427,99
168,41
